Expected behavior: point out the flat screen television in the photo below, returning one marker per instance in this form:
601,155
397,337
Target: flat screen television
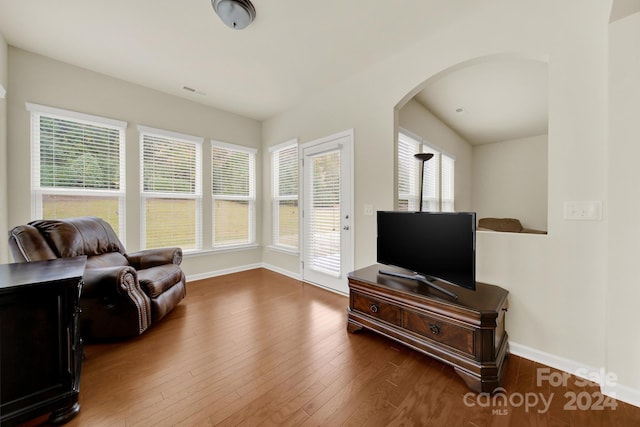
431,245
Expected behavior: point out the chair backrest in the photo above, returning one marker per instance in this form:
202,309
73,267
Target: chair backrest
61,238
85,235
27,244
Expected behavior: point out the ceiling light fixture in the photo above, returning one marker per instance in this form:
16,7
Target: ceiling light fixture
236,14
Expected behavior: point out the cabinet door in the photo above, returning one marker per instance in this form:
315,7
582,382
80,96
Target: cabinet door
36,326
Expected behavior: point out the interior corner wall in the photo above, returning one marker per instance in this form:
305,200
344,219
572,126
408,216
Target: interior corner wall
557,282
510,181
41,80
4,185
623,292
417,119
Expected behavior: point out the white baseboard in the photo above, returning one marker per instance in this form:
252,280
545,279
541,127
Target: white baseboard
557,362
622,393
296,276
215,273
222,272
617,391
299,277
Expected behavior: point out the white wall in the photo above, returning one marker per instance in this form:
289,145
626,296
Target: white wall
557,282
415,118
4,252
510,181
623,290
37,79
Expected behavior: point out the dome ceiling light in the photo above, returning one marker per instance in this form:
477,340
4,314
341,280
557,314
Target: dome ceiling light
236,14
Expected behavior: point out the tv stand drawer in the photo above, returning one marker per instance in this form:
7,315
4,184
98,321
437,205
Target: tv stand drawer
376,308
443,332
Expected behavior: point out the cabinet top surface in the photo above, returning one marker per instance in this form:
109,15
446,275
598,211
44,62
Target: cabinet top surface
486,298
26,273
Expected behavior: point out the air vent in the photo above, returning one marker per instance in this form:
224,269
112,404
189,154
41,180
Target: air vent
192,90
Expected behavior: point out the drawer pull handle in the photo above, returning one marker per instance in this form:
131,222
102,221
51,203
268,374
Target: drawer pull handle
435,329
373,308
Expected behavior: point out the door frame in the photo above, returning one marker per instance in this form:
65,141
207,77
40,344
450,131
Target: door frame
347,260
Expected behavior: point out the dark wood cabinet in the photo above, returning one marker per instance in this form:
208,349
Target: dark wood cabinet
40,345
467,333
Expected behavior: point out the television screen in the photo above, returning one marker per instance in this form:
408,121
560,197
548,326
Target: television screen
436,245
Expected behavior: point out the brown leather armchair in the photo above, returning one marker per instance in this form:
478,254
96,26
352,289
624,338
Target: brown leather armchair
123,293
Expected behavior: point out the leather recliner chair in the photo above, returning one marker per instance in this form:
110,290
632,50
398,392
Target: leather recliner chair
123,293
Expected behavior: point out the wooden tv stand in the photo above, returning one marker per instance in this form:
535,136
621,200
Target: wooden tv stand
467,333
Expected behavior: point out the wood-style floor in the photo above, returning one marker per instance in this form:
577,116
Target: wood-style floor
259,348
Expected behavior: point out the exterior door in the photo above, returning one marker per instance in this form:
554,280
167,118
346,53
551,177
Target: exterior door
327,226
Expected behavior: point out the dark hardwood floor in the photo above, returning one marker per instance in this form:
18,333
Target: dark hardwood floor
258,348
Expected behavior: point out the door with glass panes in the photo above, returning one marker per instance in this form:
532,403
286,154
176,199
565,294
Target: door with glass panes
327,226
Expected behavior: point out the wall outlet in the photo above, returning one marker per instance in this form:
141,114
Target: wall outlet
368,210
587,211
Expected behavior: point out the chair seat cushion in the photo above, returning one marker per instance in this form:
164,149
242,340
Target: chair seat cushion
109,259
154,281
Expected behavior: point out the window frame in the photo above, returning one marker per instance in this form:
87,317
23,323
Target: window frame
276,198
38,111
250,199
440,184
195,195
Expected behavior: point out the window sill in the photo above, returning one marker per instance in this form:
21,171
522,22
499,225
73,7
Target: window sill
202,252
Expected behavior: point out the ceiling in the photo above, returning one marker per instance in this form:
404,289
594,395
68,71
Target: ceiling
499,99
292,50
623,8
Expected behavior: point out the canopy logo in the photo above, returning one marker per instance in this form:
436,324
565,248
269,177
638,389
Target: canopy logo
501,401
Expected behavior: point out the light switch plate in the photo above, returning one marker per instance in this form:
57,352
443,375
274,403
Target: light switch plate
368,210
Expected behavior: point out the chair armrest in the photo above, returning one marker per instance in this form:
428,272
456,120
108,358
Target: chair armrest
113,303
109,281
152,257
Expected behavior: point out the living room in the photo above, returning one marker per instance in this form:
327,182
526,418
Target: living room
571,292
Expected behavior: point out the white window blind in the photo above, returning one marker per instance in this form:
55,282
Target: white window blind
447,186
408,173
284,164
78,165
439,171
233,194
171,191
431,185
324,225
